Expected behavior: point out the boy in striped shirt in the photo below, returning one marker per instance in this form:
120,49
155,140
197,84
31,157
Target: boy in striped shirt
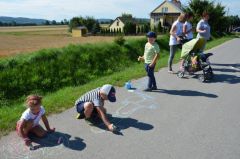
93,101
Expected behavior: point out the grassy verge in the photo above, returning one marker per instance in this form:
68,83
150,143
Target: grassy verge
64,98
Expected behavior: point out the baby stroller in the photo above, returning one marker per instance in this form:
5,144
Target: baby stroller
194,60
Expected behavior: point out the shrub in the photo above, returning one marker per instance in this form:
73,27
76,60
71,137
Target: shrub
48,70
119,40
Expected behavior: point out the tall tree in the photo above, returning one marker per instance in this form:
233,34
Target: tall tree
75,22
127,15
129,28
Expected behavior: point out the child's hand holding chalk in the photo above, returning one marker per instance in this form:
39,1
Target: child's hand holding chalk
140,58
112,128
31,147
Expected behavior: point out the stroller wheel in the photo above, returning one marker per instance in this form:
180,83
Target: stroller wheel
201,78
210,75
180,74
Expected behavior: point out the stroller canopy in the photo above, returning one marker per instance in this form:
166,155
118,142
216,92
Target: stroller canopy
195,45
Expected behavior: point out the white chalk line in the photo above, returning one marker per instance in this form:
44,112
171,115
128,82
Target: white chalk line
17,150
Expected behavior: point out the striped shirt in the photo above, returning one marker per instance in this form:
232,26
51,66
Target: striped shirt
91,96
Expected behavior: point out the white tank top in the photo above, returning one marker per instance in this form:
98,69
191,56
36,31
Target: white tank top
178,32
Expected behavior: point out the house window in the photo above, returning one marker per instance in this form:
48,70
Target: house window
117,23
165,9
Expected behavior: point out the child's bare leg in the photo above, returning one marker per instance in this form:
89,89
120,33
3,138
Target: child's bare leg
181,64
104,110
39,131
26,127
23,128
88,109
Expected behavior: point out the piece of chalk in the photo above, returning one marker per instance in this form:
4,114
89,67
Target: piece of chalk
59,140
31,147
114,128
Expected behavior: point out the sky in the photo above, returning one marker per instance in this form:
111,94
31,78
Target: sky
66,9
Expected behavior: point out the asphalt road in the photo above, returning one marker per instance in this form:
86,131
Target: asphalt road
184,119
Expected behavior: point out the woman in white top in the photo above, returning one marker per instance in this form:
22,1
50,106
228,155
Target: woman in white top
175,32
187,27
203,29
188,32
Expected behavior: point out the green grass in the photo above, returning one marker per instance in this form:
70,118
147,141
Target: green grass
63,99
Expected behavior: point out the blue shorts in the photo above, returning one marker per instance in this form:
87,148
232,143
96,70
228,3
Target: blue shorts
80,107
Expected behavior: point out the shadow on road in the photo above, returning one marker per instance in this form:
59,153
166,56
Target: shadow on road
232,68
225,70
237,65
57,139
123,123
186,93
225,78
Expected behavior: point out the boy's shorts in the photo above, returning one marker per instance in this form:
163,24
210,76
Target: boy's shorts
80,110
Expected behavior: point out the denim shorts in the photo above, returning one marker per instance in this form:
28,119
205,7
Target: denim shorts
80,107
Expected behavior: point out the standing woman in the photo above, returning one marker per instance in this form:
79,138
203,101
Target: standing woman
203,29
187,27
175,32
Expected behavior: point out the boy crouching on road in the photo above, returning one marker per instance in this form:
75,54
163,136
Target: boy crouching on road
93,101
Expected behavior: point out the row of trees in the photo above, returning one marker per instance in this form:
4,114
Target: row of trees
47,22
13,23
131,26
89,22
54,22
129,29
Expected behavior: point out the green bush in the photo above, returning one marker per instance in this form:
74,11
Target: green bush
119,40
51,69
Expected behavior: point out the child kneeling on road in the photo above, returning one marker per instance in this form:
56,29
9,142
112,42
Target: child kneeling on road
29,121
92,103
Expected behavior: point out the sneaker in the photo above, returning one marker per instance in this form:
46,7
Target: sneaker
170,71
154,88
148,90
79,116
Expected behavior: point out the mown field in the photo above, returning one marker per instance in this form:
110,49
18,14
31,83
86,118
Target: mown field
18,40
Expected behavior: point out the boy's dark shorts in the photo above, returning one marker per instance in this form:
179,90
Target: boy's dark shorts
80,110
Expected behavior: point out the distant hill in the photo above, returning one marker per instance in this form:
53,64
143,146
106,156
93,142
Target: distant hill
21,20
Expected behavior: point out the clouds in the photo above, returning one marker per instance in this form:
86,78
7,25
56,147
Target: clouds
61,9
